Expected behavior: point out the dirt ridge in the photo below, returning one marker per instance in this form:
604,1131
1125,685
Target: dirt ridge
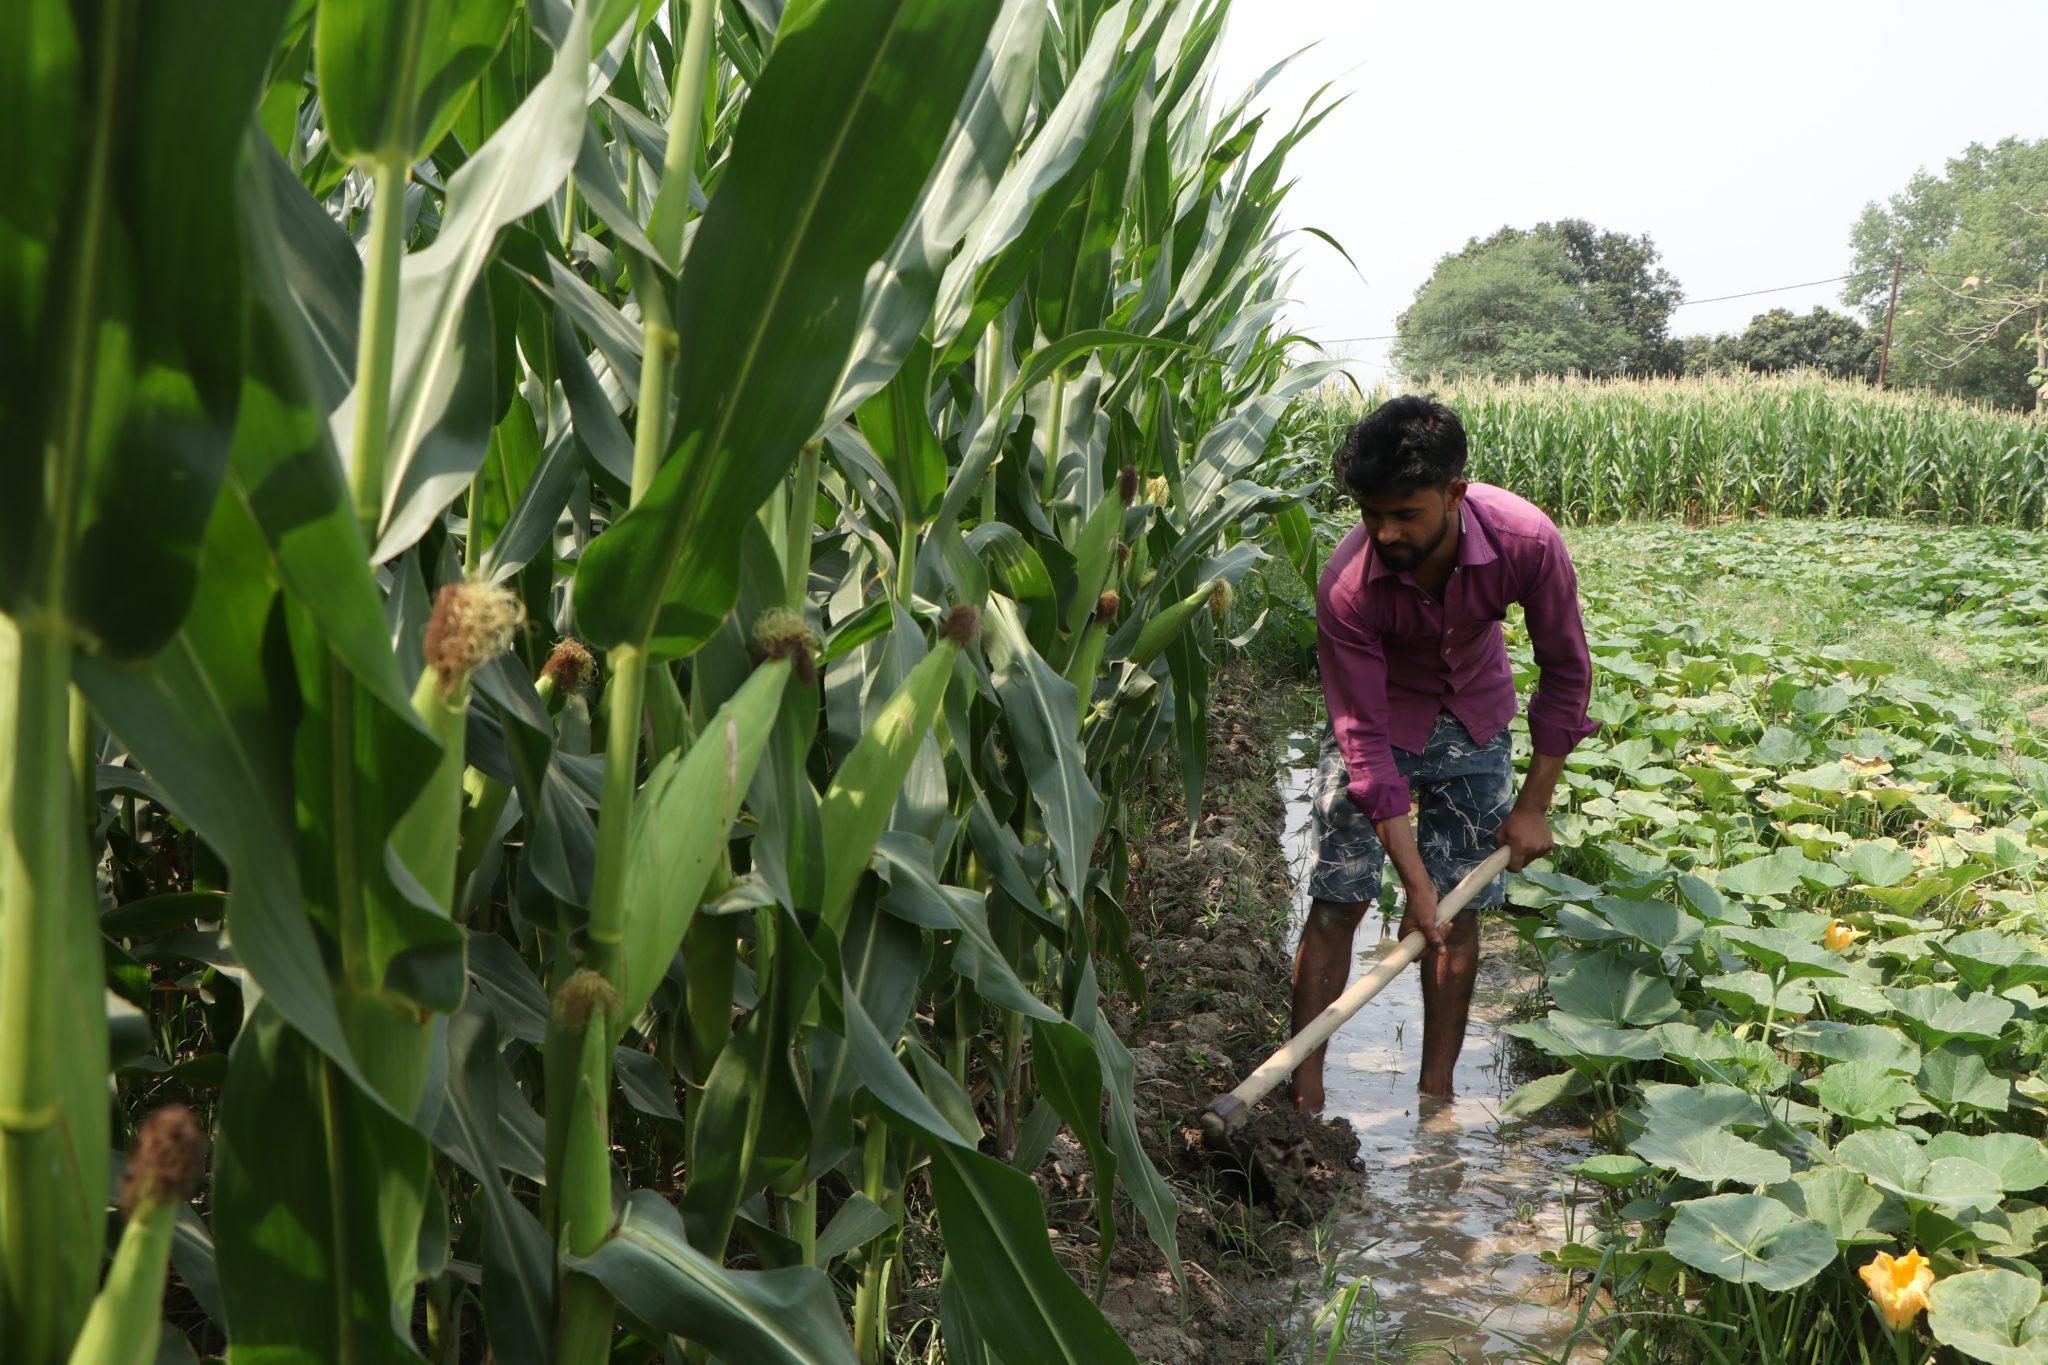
1209,918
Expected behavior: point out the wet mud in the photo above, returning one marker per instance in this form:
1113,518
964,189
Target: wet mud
1209,919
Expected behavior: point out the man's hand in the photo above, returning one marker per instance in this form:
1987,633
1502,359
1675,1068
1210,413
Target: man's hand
1397,837
1527,833
1420,915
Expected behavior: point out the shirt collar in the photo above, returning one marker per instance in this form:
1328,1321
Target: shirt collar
1475,544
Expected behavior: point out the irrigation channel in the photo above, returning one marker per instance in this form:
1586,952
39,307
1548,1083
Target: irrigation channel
1455,1205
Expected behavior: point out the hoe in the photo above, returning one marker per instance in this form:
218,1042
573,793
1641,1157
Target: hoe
1223,1121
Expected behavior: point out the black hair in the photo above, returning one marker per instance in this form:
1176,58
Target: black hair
1404,444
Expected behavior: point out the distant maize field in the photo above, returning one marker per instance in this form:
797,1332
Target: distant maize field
1702,449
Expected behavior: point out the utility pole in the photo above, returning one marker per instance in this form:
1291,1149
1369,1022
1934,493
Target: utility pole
2040,347
1884,357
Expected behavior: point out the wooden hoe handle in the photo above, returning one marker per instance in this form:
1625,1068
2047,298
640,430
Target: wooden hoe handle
1227,1113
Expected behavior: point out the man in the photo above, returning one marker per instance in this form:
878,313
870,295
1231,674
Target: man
1408,633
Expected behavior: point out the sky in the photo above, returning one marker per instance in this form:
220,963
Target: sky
1744,138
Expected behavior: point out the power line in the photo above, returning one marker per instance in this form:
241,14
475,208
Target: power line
1682,303
1775,289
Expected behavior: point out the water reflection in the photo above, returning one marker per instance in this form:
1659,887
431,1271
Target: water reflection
1455,1206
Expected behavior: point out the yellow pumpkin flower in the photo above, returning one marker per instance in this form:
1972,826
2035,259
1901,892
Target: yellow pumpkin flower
1840,936
1898,1287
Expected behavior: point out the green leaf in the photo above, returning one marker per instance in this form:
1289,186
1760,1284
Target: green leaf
441,399
1616,1170
1025,1305
1610,989
157,362
898,300
1872,864
203,719
859,1221
284,470
1027,204
1856,1043
1779,951
896,424
1711,1155
518,1290
1780,748
1749,1239
1954,1077
1752,995
1658,925
682,817
1039,706
1850,1206
907,1106
1936,1014
1563,1035
1991,1315
828,158
1010,557
393,77
1866,1092
1188,665
767,1315
1234,445
881,958
1721,1057
751,1127
1894,1163
1851,993
1298,536
1543,1092
1070,1080
39,82
1141,1180
1778,874
1711,1105
858,804
1986,959
917,896
2020,1162
304,1271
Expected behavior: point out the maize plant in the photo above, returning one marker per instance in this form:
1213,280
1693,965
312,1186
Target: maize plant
1708,448
583,583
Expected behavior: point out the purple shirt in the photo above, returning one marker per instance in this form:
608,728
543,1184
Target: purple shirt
1392,656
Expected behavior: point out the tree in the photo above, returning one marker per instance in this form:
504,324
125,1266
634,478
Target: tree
1513,309
1779,340
1626,286
1558,297
1975,244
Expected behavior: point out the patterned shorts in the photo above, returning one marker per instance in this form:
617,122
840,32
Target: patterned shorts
1462,793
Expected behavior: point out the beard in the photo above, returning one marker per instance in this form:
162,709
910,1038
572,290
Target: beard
1408,558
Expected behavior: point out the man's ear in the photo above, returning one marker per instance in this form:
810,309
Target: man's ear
1454,494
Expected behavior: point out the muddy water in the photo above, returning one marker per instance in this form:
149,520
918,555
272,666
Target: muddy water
1454,1205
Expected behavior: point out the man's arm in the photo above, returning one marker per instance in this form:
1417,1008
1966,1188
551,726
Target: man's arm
1557,709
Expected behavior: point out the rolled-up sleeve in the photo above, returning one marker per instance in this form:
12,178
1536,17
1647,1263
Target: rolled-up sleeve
1354,669
1557,635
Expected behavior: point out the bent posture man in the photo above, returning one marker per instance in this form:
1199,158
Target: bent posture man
1408,633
